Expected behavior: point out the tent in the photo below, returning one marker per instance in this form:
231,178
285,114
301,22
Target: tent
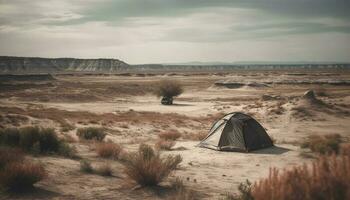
236,132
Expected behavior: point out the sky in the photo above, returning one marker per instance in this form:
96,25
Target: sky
173,31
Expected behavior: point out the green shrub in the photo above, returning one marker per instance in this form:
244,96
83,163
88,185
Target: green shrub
9,136
35,140
147,168
66,150
91,133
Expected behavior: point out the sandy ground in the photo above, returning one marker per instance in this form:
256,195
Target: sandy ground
211,173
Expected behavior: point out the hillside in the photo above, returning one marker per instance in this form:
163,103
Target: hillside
49,65
10,65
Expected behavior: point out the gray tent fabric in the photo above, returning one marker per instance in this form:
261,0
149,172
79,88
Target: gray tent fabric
236,132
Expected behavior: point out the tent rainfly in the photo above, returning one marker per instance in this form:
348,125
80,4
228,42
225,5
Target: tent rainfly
236,132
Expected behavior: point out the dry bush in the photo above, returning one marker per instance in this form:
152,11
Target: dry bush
162,144
91,133
19,176
181,192
172,135
147,168
345,149
86,167
326,144
196,136
9,155
108,150
168,88
104,170
65,127
327,178
245,192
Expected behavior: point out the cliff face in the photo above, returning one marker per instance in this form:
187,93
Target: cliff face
48,65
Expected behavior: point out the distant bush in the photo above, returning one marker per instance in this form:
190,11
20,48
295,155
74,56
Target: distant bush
19,176
323,144
162,144
328,178
108,150
168,88
147,168
91,133
171,135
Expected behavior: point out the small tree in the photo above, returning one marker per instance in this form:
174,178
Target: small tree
168,89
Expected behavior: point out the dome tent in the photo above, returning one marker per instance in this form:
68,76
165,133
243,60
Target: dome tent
236,132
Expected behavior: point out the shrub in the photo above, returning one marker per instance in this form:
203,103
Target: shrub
36,140
9,155
168,88
245,192
21,176
9,136
108,150
323,144
181,192
85,166
196,136
147,168
345,149
91,133
172,135
164,144
104,170
327,178
66,150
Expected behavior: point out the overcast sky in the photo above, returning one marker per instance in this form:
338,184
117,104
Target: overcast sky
162,31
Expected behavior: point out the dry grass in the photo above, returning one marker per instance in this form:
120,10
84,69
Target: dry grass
19,176
108,150
147,168
345,149
91,133
9,155
162,144
326,144
171,135
327,178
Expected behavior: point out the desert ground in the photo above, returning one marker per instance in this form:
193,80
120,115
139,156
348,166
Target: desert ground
125,106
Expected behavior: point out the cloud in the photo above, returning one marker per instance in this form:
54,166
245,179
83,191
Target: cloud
169,30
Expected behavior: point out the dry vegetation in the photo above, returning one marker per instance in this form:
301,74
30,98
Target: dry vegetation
147,168
36,140
168,88
91,133
171,135
163,144
326,144
108,150
328,178
16,173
